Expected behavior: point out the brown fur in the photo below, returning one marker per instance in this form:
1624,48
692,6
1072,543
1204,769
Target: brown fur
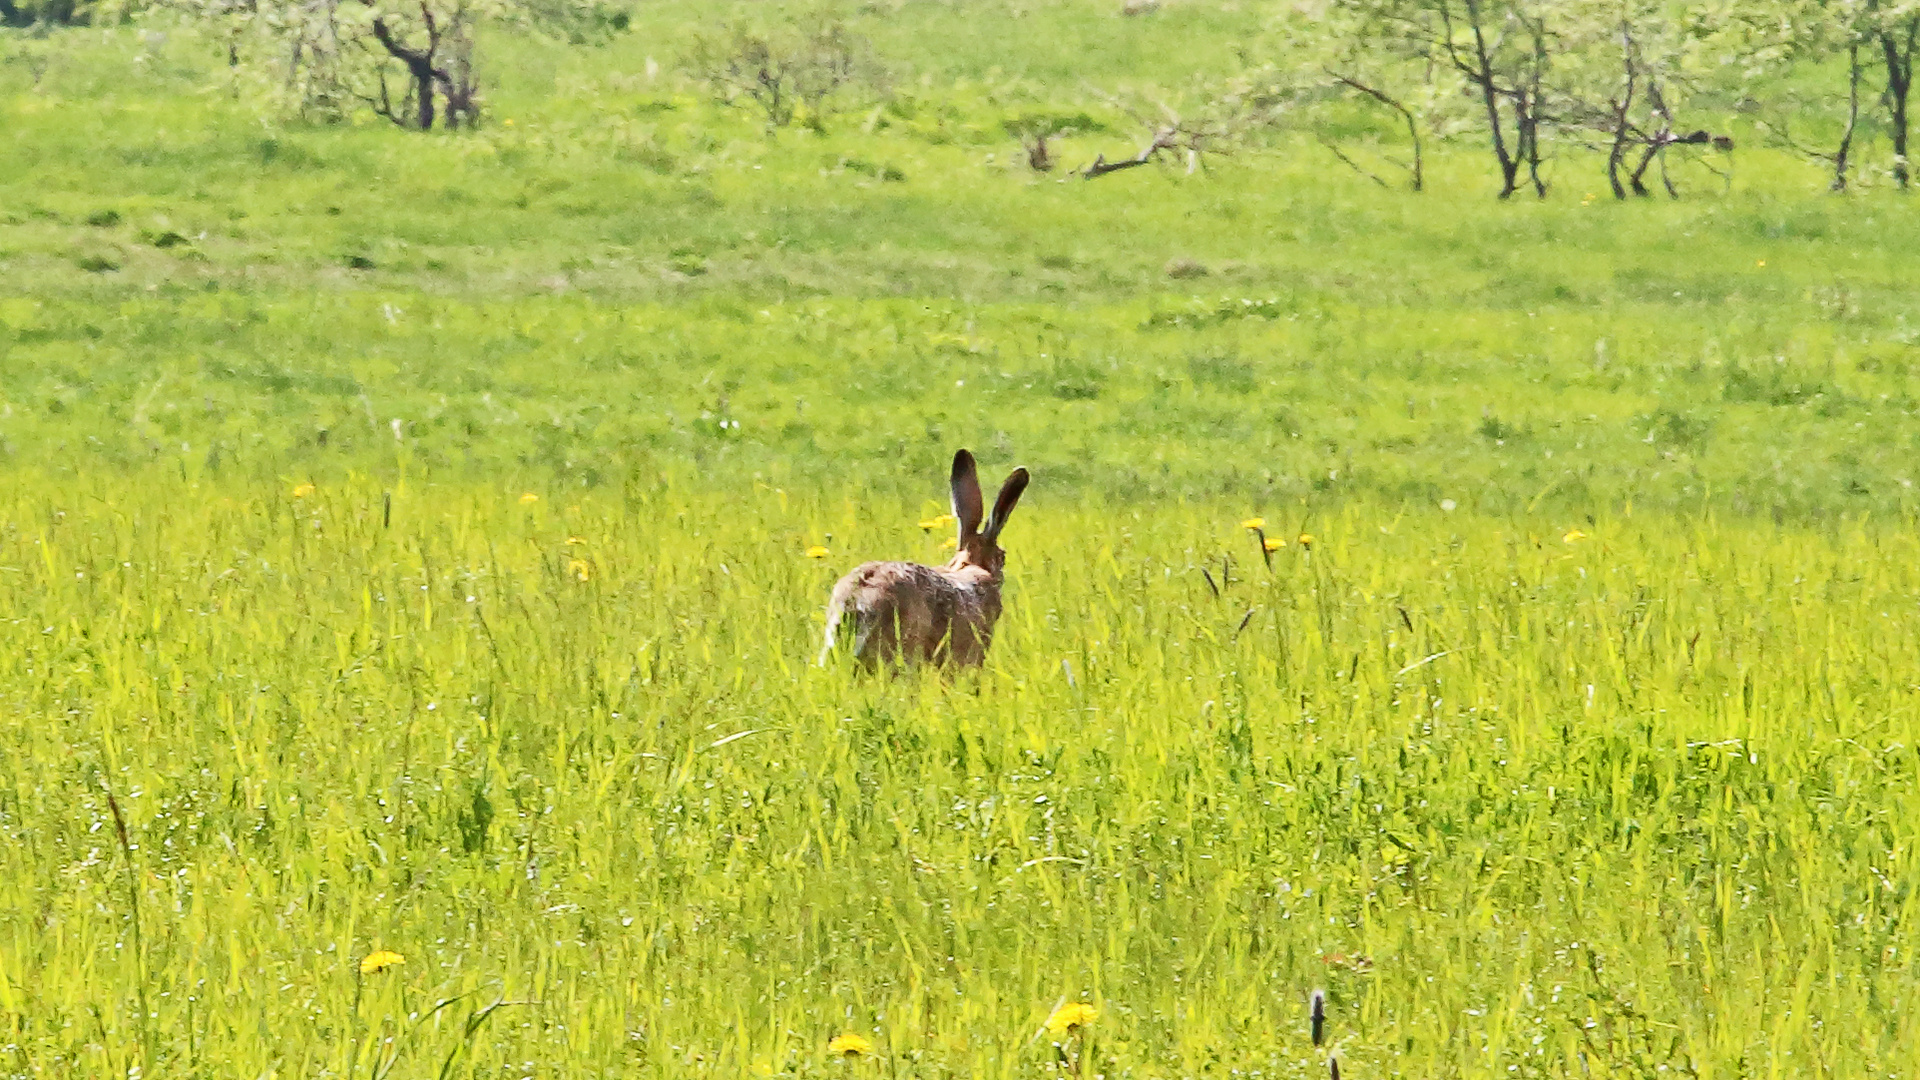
938,614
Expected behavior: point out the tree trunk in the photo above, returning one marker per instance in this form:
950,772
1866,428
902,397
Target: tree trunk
1528,121
1899,57
1845,148
1482,76
419,64
1618,155
423,84
1527,104
1622,110
460,109
1621,127
1639,177
1419,162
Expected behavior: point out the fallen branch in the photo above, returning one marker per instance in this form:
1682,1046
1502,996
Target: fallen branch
1164,139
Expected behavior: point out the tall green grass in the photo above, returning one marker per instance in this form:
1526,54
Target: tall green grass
1525,799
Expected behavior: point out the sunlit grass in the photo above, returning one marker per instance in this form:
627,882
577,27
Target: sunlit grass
1511,799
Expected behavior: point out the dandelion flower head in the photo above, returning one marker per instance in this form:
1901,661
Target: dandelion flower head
528,498
303,491
1272,543
933,523
817,552
1254,523
1573,536
581,569
1306,540
850,1045
380,960
1070,1018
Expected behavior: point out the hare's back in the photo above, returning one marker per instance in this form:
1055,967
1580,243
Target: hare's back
871,587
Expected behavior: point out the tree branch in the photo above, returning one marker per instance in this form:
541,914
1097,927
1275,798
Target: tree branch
1347,161
1417,170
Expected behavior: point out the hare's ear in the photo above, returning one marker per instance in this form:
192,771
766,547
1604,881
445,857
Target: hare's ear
1010,493
967,503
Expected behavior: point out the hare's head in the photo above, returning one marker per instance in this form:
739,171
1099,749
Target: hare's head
979,546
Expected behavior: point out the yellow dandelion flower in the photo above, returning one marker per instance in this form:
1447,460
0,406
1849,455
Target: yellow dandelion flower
949,542
933,523
303,491
576,541
817,552
580,569
1762,264
1306,540
1272,543
1573,536
850,1045
528,498
380,960
1070,1018
1254,523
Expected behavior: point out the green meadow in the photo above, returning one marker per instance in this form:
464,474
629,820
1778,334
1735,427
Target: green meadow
404,547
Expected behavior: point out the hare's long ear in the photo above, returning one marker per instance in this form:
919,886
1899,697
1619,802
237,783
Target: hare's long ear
1003,506
967,503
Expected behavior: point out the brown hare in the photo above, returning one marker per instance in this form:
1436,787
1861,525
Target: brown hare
944,614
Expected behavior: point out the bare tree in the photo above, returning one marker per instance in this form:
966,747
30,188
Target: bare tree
434,49
1504,56
1625,78
1501,51
411,61
1895,28
787,73
1840,158
1799,42
1388,62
